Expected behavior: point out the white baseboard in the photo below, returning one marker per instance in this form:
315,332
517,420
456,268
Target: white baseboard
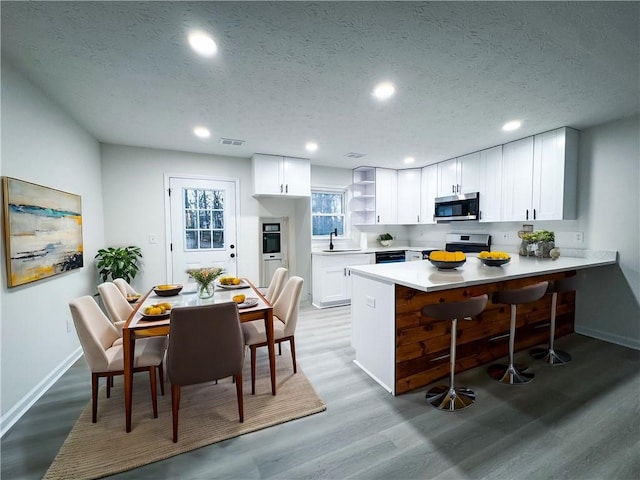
14,414
608,337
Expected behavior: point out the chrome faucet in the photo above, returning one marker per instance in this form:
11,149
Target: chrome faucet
331,234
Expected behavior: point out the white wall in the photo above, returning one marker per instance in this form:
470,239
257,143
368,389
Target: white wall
134,198
43,145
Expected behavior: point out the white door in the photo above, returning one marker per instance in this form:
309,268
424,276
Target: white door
203,226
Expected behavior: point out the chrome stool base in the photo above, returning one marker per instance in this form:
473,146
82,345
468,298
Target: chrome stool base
549,356
509,375
450,399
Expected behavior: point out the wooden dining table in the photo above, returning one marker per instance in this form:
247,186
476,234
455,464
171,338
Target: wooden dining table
138,326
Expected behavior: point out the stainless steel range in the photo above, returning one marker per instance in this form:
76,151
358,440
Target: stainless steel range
468,242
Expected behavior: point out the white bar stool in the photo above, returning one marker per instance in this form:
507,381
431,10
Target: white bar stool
450,398
509,374
551,356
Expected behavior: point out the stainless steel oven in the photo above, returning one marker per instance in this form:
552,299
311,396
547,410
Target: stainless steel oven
271,239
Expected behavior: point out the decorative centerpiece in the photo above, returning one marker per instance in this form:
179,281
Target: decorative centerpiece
385,239
204,277
537,244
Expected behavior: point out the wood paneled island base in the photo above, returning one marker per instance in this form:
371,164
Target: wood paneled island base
422,344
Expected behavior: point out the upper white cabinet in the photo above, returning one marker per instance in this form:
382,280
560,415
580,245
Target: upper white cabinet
540,176
429,180
409,187
386,196
274,175
459,175
555,174
375,196
491,184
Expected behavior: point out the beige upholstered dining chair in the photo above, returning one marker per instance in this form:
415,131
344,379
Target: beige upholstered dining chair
205,345
124,287
105,356
285,318
115,303
277,282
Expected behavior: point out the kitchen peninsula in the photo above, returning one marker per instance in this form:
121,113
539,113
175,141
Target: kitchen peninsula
403,351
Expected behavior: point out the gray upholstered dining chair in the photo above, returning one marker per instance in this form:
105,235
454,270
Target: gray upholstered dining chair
205,344
285,318
277,282
115,303
104,354
124,287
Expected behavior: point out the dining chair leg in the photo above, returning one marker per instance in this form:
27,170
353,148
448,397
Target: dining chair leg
238,379
292,343
94,396
154,391
161,375
175,407
279,348
253,369
109,382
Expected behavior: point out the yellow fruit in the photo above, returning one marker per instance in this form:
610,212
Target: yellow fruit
442,256
238,298
166,305
237,281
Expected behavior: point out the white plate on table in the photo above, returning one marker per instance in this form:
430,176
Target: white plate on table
242,284
248,302
160,316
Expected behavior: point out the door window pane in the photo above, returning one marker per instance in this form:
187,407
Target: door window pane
203,219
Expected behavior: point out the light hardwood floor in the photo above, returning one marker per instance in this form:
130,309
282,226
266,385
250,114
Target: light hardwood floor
577,421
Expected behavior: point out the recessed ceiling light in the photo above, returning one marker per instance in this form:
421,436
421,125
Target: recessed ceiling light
513,125
201,132
311,146
409,160
384,90
202,43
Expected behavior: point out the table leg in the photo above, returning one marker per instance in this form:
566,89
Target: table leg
268,322
129,347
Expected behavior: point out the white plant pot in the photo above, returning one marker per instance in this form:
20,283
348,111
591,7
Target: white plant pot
386,243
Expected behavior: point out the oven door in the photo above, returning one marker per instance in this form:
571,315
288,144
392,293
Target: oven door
271,242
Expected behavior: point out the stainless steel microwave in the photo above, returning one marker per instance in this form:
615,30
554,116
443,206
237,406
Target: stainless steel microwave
457,207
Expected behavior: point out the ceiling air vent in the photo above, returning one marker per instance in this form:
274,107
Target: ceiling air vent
355,155
231,141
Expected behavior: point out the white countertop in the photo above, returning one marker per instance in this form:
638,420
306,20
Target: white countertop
350,251
422,275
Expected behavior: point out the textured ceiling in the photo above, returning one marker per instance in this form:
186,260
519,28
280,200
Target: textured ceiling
286,73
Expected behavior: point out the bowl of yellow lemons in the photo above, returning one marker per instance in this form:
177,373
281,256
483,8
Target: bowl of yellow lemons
231,283
494,259
447,260
156,311
167,290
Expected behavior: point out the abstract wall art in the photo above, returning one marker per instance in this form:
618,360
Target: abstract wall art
42,231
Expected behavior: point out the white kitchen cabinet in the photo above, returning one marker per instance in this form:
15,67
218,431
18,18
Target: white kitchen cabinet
331,277
375,196
459,175
555,175
540,177
275,175
386,196
491,184
413,255
517,180
429,192
409,186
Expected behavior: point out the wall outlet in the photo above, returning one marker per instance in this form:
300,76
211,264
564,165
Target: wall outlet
371,302
578,237
153,239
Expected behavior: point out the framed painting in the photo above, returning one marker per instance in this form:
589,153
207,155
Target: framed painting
42,231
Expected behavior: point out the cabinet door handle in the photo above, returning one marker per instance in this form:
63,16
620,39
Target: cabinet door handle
281,188
344,271
418,217
453,189
534,213
527,217
378,218
287,188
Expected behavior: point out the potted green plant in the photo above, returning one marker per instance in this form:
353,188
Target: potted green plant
385,239
538,243
118,262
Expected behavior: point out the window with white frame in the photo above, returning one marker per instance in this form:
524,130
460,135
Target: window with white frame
327,212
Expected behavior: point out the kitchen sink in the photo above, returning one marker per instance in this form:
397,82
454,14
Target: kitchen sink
336,250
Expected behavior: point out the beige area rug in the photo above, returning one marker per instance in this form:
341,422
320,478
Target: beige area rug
208,414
